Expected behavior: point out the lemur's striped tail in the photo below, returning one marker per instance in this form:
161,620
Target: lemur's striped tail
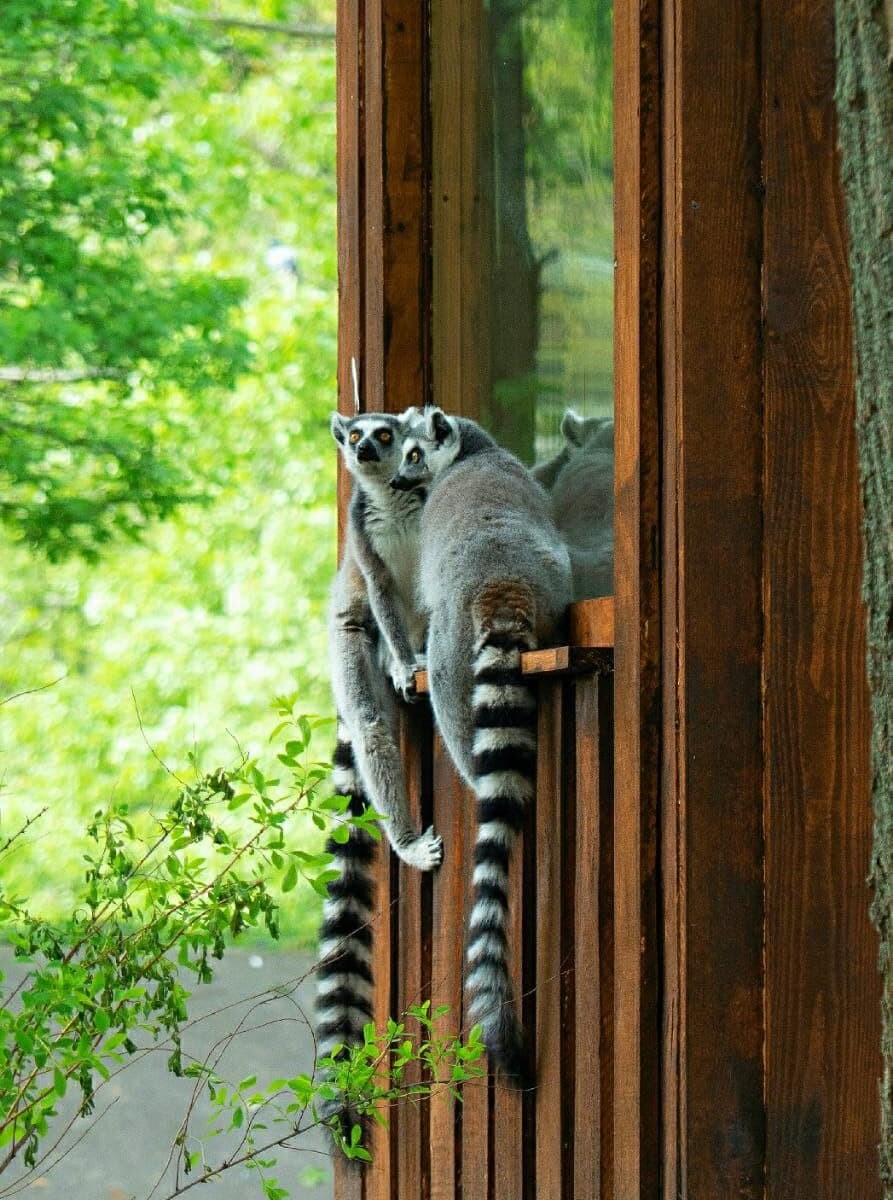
344,974
504,763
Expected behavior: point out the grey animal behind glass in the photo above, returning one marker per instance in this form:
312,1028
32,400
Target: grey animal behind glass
580,479
495,580
377,634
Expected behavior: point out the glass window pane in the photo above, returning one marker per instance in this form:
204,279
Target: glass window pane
523,227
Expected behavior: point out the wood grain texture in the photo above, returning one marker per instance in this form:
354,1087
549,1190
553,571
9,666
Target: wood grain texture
461,215
548,942
451,802
380,1176
713,1121
475,1158
591,622
592,941
637,597
414,975
395,180
512,1152
822,987
588,1050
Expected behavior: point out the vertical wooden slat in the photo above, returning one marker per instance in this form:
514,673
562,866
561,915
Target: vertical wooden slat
592,1064
606,926
637,654
508,1101
349,1180
461,207
822,985
350,194
475,1159
528,997
396,326
548,956
712,623
374,296
566,821
380,1179
406,328
452,801
414,971
350,184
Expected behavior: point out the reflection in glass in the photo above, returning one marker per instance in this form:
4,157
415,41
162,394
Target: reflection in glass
523,243
552,264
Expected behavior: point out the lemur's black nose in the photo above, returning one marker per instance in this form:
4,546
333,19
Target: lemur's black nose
366,452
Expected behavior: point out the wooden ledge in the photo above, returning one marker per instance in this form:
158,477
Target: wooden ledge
591,629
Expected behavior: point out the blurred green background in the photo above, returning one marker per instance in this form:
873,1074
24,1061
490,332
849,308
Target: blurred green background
167,346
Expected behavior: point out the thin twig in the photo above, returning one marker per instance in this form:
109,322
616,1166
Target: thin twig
305,31
32,691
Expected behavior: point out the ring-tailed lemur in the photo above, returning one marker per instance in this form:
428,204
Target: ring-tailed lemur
376,635
580,479
495,580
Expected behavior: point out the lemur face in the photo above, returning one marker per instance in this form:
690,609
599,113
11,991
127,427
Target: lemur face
371,444
431,445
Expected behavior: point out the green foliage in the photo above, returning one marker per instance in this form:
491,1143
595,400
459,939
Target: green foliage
161,899
569,84
101,319
159,896
407,1060
223,604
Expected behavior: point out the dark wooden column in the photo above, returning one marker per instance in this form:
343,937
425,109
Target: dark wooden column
822,985
711,814
769,988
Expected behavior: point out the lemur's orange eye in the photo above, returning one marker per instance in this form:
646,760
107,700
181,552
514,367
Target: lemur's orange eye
354,437
385,437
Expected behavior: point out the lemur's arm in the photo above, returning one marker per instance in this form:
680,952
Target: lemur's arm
383,602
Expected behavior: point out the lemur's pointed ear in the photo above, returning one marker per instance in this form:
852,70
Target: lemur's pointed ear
440,429
338,426
572,427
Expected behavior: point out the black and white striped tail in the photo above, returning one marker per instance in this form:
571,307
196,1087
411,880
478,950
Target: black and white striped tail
504,763
344,974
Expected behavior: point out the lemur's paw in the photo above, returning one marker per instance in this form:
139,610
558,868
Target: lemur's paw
425,852
403,678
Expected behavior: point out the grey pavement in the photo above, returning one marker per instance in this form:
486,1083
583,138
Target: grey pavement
253,1019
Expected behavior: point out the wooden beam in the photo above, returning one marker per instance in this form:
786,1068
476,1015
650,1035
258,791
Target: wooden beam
711,759
822,985
556,660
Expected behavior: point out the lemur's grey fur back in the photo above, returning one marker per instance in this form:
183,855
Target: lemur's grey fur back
495,580
376,634
580,479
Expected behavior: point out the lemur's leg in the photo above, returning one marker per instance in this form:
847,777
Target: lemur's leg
368,707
